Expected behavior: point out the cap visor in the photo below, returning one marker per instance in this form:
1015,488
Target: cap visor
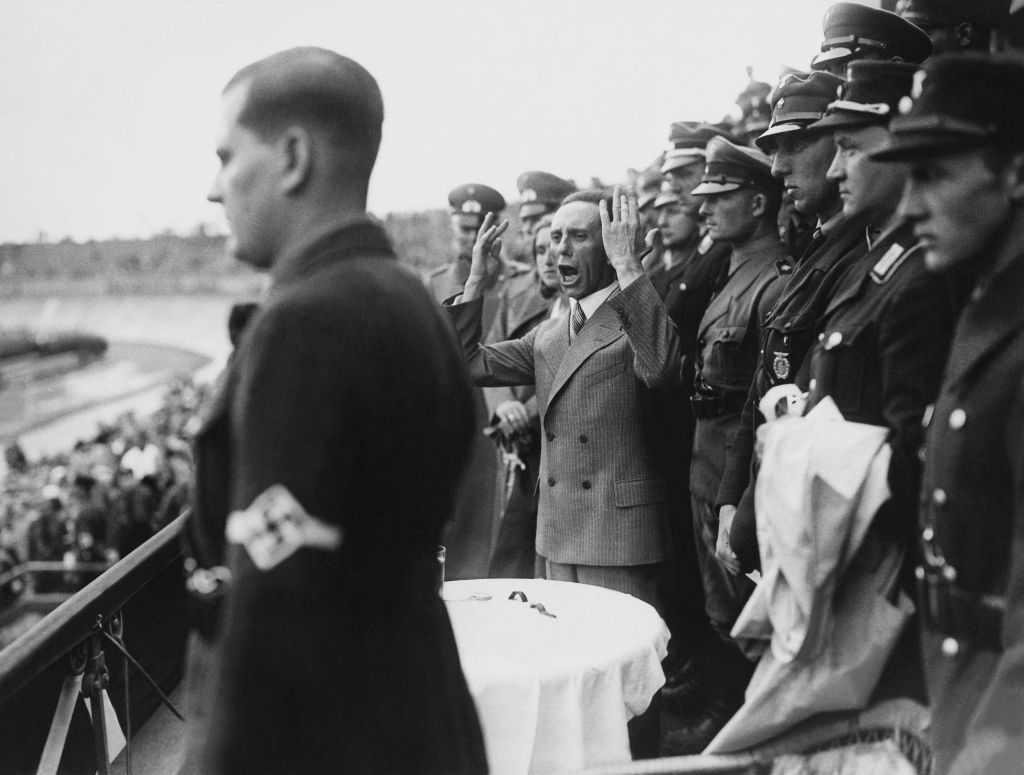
644,200
845,119
667,199
715,188
830,58
529,209
682,161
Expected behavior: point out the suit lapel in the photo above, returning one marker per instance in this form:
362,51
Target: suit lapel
600,331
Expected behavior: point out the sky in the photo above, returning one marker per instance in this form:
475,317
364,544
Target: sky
109,108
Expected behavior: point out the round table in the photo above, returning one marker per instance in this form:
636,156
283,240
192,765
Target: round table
554,693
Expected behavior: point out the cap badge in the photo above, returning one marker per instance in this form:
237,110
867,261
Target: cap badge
529,195
472,206
906,105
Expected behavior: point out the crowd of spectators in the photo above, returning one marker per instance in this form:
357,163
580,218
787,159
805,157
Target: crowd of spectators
102,498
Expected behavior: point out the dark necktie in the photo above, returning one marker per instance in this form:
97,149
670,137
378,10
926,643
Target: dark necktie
579,317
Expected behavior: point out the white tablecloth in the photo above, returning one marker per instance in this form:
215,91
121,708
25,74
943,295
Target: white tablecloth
554,694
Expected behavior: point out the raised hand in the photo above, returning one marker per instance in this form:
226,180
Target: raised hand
486,248
623,239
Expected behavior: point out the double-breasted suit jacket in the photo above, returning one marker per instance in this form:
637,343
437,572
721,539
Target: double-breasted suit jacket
603,498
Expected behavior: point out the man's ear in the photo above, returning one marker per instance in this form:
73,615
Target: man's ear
758,204
965,33
296,147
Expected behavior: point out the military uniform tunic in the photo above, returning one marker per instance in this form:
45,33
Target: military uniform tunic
880,354
727,351
787,338
972,512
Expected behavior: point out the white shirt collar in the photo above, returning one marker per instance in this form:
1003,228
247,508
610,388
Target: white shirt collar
596,299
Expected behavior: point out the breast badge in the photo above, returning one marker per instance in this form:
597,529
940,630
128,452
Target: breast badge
780,365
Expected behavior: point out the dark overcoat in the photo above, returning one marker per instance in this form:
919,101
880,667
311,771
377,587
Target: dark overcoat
347,389
973,528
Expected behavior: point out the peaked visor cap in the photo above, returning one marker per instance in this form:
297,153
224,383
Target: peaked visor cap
853,31
959,101
871,95
731,167
798,101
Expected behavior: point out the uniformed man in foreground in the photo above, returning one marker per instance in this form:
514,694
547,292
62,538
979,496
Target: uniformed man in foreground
801,154
740,206
964,140
322,482
885,333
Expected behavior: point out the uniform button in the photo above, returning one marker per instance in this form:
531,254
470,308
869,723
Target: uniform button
928,534
551,436
821,337
939,497
701,342
584,438
586,484
788,325
551,481
957,419
814,384
949,573
922,455
834,339
682,286
950,647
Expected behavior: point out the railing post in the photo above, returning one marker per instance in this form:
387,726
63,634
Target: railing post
94,683
58,735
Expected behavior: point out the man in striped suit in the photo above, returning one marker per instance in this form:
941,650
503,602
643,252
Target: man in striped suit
603,513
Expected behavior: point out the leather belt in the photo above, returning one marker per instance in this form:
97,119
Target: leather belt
705,406
962,616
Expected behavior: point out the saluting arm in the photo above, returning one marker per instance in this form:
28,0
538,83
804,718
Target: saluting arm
645,320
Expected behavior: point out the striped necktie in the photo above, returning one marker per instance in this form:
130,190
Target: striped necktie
579,317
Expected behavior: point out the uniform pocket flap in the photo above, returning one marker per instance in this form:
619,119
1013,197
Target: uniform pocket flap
639,492
729,334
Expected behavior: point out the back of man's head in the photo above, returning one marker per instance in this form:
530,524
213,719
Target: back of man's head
326,92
